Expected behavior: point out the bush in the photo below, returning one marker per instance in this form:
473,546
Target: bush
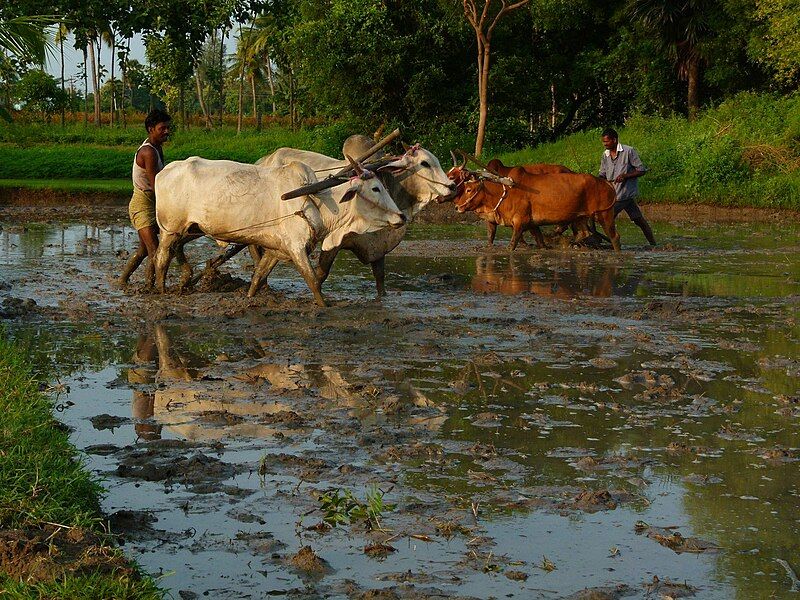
713,162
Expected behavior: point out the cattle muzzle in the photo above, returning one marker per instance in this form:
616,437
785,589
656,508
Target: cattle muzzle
453,187
400,222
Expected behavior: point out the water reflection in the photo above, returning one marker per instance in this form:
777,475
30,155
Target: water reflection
178,390
567,277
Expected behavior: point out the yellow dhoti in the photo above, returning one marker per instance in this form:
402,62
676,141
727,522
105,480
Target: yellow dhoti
142,209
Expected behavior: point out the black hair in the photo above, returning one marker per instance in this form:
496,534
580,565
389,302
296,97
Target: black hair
154,117
610,133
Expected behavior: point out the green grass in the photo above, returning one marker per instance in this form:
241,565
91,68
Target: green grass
42,481
70,185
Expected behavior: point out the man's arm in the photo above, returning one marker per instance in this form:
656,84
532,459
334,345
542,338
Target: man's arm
638,168
148,160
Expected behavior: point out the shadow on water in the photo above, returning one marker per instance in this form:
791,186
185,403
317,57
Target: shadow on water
517,406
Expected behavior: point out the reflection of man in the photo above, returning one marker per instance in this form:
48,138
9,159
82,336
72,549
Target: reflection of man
147,162
621,165
144,372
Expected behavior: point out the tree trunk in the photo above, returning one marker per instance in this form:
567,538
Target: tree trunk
253,91
201,99
85,89
183,106
483,96
271,84
113,83
63,91
693,95
95,84
241,86
124,67
222,76
553,110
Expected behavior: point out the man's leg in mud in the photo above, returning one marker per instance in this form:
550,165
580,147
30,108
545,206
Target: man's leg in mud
638,218
148,244
148,237
133,263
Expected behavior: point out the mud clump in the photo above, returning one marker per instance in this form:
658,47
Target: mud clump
101,422
597,500
197,469
13,308
673,540
283,417
213,280
601,593
308,562
50,553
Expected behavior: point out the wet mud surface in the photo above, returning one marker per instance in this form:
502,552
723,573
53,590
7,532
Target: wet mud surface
547,424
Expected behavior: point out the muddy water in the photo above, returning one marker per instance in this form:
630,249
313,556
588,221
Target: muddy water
540,423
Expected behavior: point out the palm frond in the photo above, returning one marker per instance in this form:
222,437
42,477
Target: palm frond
27,37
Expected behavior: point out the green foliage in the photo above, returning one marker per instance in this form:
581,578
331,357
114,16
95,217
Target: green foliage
781,45
341,507
83,587
41,478
37,91
712,161
746,152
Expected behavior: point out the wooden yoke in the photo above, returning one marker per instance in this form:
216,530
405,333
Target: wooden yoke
340,177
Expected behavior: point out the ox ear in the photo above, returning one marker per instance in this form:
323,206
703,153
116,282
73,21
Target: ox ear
348,195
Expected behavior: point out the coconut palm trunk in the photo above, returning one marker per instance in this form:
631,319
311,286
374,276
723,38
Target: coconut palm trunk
95,82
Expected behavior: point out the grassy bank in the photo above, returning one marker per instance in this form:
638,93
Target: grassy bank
745,152
122,186
50,521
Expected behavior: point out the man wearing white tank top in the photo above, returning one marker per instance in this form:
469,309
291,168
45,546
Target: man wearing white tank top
147,162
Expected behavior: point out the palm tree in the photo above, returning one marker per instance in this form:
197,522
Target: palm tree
109,38
26,38
261,43
680,27
62,31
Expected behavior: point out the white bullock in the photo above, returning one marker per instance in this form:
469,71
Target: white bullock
241,204
413,180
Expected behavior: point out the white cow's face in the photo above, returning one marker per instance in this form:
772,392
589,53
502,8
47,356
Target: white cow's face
421,175
373,203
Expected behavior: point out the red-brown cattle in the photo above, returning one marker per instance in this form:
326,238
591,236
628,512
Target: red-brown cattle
496,166
549,199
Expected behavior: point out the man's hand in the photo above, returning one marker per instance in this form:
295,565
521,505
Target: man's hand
620,178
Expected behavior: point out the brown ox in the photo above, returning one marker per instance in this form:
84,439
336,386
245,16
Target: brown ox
550,199
460,174
496,166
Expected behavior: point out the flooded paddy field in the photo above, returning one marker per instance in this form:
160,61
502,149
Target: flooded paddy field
527,425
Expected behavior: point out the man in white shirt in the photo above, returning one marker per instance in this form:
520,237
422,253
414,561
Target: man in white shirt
622,166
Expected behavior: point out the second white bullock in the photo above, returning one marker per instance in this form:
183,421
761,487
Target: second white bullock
413,180
241,204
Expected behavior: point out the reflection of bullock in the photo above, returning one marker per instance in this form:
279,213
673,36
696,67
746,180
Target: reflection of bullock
413,181
573,278
533,200
241,204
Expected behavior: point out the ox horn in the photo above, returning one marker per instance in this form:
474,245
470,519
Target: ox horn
406,147
455,160
464,156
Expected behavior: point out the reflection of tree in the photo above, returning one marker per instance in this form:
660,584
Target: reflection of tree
62,349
